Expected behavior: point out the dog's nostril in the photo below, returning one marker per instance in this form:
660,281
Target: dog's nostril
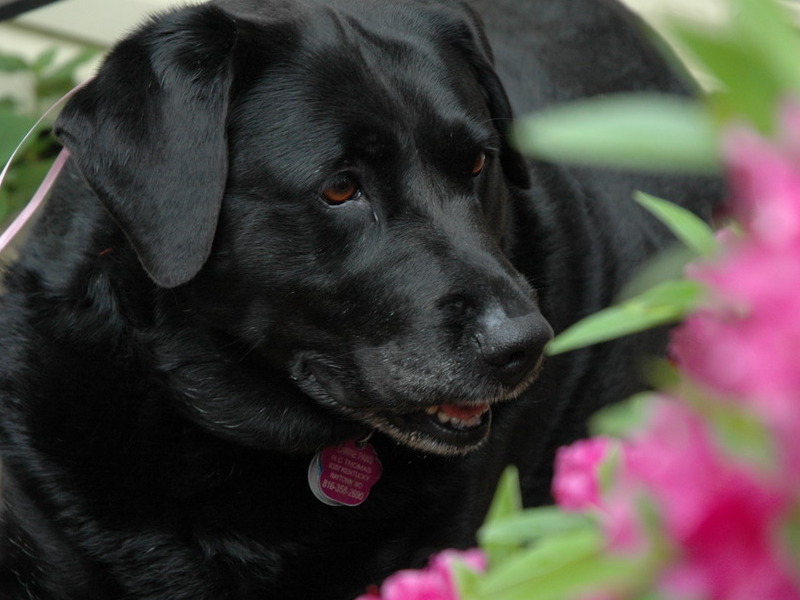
505,354
512,346
516,357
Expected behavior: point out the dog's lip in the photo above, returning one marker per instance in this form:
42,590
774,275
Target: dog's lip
448,428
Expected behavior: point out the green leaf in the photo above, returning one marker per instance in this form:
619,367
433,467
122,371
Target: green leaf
575,579
13,128
754,59
767,29
530,525
660,374
608,469
747,88
650,595
44,60
745,436
684,224
49,89
508,499
562,567
507,503
7,103
640,131
546,556
622,418
10,63
668,264
466,580
739,431
664,304
791,535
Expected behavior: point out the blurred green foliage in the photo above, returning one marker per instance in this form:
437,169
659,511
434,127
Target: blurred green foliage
49,79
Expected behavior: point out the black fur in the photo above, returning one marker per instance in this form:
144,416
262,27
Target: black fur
191,320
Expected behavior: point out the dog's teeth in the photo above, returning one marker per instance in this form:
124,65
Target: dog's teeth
445,418
457,423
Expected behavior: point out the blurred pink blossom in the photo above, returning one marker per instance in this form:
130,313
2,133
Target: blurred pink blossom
576,484
745,345
765,184
577,487
435,582
722,516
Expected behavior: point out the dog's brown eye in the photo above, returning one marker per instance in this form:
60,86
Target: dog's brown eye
479,164
343,188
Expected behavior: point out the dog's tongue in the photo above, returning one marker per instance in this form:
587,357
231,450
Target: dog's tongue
463,413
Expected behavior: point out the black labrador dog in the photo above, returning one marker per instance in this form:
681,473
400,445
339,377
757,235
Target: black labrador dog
295,232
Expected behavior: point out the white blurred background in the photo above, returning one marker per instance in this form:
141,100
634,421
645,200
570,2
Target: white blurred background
104,21
101,22
71,24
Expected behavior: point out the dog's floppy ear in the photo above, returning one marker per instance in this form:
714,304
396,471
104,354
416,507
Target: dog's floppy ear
149,135
464,28
515,166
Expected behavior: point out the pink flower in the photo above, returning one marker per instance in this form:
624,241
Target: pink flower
722,518
764,178
674,461
444,562
435,582
577,487
746,345
766,187
733,552
417,585
576,484
621,520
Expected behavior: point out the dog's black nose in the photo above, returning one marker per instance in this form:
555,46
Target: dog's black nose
512,346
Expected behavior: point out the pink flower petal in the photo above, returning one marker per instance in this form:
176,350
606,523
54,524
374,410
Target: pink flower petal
435,582
576,485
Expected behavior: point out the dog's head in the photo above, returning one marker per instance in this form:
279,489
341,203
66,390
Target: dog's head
329,184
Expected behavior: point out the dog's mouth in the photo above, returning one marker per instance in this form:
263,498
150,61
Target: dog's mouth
447,429
450,428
